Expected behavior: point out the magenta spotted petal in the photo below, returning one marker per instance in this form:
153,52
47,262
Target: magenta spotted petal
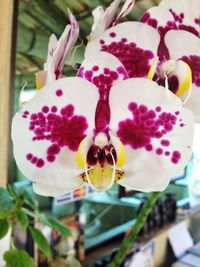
156,131
47,132
186,14
104,71
162,20
133,43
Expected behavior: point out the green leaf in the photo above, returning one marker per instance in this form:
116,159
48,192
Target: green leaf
41,241
22,218
4,226
18,258
60,227
11,190
29,199
6,203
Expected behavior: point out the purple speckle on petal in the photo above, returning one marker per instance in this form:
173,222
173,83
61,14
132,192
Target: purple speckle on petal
158,109
59,92
95,68
112,34
45,109
165,142
176,156
102,42
53,149
54,109
29,156
167,153
159,151
40,163
34,159
51,158
149,147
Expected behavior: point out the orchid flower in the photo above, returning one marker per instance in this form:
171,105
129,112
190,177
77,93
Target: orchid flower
58,50
96,129
178,23
105,19
159,52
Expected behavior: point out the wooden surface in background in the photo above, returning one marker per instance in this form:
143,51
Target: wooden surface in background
6,24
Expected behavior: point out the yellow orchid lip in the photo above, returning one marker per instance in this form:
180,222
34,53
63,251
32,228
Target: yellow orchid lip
99,158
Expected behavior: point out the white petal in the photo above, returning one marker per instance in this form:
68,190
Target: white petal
193,103
157,135
59,119
102,69
136,54
159,18
182,43
186,13
49,191
51,49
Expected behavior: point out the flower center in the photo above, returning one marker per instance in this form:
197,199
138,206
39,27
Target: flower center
99,157
102,156
174,75
101,140
168,67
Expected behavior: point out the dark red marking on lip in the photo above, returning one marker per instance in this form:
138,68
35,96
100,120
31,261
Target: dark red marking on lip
173,82
101,155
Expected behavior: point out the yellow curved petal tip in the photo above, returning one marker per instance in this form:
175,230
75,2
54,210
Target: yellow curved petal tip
152,70
186,81
120,149
82,152
80,157
40,78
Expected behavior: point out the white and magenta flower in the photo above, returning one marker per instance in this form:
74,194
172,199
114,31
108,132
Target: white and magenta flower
103,126
58,50
73,132
171,47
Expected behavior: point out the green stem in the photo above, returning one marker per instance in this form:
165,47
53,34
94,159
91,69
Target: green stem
128,241
12,225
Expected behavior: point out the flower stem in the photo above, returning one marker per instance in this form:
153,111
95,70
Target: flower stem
128,241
